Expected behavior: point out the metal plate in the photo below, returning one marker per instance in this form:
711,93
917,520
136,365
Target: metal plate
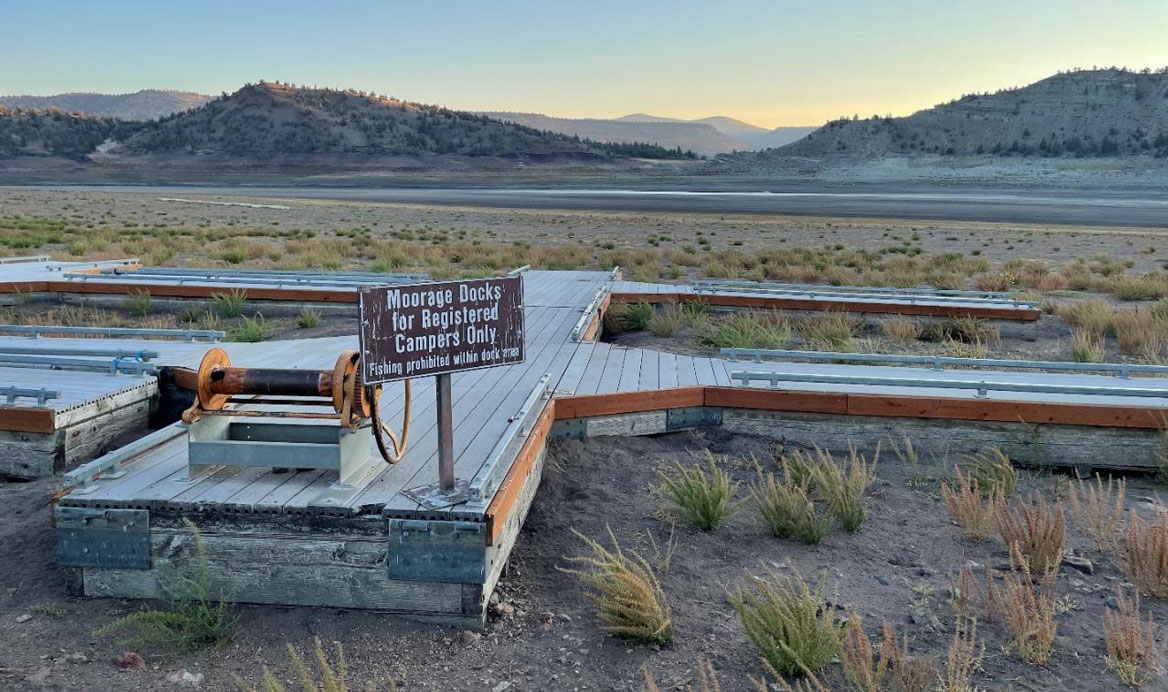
103,537
431,496
693,417
448,552
570,429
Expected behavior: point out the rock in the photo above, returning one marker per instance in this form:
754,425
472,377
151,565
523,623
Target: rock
77,657
565,617
40,676
883,581
926,572
504,685
129,660
468,637
21,619
1111,602
503,609
1080,563
494,600
920,614
184,677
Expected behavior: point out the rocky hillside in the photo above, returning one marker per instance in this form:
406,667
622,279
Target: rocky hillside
697,137
55,133
1111,112
147,104
746,137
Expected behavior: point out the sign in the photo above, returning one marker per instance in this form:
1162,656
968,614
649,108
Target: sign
414,330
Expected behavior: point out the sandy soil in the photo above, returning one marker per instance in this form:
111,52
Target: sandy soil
544,634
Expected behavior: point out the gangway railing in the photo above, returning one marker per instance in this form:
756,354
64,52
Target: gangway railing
11,394
36,330
911,296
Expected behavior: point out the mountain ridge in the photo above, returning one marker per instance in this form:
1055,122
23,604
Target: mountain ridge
144,104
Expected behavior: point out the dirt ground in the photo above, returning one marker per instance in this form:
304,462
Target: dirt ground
544,634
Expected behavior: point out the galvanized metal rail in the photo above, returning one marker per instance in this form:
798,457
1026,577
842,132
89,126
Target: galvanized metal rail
24,258
715,284
113,366
483,485
195,274
1124,370
142,355
35,330
233,281
83,478
982,388
126,262
11,394
818,292
589,311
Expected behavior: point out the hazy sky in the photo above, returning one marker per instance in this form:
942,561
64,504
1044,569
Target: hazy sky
771,63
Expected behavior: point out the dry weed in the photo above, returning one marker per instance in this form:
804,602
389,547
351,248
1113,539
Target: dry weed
1036,529
1026,608
1147,555
1131,642
974,513
1098,508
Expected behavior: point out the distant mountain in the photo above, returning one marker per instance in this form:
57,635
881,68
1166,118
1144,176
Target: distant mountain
696,137
317,127
147,104
746,137
1112,112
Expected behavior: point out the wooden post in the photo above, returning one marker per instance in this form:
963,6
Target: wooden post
445,434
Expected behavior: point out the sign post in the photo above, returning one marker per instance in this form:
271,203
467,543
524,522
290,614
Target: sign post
418,330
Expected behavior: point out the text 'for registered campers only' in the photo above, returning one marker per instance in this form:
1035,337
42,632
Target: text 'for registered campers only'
416,330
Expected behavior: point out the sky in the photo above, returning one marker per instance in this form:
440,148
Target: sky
788,62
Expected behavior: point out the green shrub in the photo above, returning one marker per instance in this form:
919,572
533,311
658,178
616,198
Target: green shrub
706,500
668,322
193,617
792,626
308,318
138,302
787,510
252,329
229,304
992,472
843,485
754,329
638,315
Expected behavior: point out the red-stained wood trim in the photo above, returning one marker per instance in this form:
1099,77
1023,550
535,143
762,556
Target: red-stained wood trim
508,492
592,405
774,302
777,400
1096,415
27,419
307,295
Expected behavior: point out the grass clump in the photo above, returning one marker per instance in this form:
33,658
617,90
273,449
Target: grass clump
333,675
790,624
1147,555
138,302
962,660
668,322
229,304
787,510
753,329
843,485
252,329
830,331
1094,316
626,591
1131,642
973,512
623,317
1026,608
308,318
1036,529
1086,346
705,500
902,329
638,315
992,471
1098,508
193,617
869,669
1139,333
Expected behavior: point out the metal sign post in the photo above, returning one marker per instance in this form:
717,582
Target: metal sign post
416,330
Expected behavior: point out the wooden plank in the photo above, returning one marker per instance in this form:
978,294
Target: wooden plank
590,380
630,373
1008,411
592,405
650,370
686,374
614,364
776,399
667,371
27,419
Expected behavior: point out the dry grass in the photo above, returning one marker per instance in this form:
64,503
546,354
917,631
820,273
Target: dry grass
332,677
902,329
961,591
705,500
668,322
1094,316
1139,333
786,509
1131,642
830,331
843,485
1147,555
791,625
893,669
1026,608
1036,529
975,513
626,590
1098,509
1086,346
992,471
962,660
750,329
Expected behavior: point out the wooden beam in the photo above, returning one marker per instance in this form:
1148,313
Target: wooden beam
517,476
592,405
1054,413
27,419
777,400
775,302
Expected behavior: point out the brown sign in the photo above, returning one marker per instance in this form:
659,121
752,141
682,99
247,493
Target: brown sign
415,330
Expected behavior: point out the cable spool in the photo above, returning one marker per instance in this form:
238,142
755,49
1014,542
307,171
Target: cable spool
216,383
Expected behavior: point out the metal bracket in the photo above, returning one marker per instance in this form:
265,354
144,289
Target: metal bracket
431,496
88,537
693,417
569,429
448,552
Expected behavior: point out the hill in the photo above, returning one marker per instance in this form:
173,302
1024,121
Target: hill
1084,113
147,104
697,137
746,136
55,133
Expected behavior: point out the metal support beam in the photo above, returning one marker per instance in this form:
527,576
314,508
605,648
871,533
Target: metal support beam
445,434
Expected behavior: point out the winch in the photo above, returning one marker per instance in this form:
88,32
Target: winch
279,427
